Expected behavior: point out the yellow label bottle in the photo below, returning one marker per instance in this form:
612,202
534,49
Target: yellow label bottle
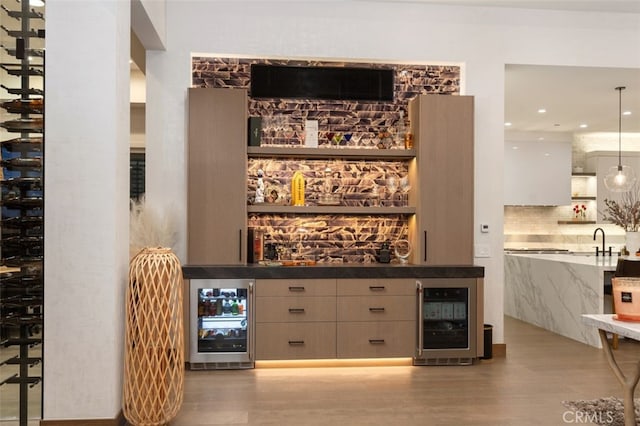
297,189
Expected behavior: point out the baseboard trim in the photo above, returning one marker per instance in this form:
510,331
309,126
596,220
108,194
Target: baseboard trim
118,421
499,350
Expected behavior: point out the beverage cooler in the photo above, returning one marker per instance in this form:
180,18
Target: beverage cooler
448,326
221,324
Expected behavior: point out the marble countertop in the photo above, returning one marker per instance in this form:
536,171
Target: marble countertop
608,323
332,271
607,263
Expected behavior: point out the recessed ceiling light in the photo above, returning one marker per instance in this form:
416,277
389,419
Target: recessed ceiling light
626,113
546,154
508,124
542,110
514,147
540,138
583,126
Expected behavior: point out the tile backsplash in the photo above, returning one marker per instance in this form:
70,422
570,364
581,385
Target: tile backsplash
538,227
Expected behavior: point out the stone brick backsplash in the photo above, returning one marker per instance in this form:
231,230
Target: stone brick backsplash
346,123
356,124
358,183
331,238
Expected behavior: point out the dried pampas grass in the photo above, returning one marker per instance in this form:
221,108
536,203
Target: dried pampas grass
148,228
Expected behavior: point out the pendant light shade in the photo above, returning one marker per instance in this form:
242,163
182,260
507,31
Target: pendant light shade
620,178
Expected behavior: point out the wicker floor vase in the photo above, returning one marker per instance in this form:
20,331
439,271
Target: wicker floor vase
153,382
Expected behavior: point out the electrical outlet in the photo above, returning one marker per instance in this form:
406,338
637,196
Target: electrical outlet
482,250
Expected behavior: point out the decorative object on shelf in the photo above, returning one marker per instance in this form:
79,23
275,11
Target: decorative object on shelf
153,382
620,178
385,141
297,189
259,188
384,254
275,194
580,212
311,133
392,187
402,250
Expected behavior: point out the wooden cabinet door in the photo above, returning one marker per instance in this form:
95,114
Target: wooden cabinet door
295,309
376,339
312,340
376,308
444,172
376,286
217,206
305,287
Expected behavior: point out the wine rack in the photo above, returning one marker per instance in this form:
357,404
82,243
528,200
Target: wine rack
22,203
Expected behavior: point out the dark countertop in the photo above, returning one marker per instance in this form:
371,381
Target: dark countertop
331,271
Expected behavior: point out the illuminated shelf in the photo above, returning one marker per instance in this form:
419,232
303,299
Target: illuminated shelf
348,210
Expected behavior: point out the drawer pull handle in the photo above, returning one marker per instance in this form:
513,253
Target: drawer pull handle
297,288
376,309
296,310
296,342
376,287
376,341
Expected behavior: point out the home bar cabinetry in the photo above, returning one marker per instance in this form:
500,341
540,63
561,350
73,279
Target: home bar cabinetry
444,169
217,213
339,308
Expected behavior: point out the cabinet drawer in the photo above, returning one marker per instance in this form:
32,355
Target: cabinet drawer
377,308
295,309
297,287
376,339
295,340
377,286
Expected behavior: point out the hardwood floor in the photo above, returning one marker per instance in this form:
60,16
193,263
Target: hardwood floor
526,388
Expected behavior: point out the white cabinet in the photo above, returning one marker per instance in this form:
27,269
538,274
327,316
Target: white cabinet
537,173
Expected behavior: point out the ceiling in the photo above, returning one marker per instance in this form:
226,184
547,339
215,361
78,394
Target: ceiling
571,96
621,6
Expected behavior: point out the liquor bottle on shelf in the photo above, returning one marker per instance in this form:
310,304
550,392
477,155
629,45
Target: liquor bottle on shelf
35,125
24,106
226,307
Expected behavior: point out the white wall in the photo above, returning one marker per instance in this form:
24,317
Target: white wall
87,209
483,39
86,159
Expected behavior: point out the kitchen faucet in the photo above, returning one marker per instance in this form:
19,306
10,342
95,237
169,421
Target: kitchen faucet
603,243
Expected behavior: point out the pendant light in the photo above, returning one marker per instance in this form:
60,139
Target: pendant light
620,178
